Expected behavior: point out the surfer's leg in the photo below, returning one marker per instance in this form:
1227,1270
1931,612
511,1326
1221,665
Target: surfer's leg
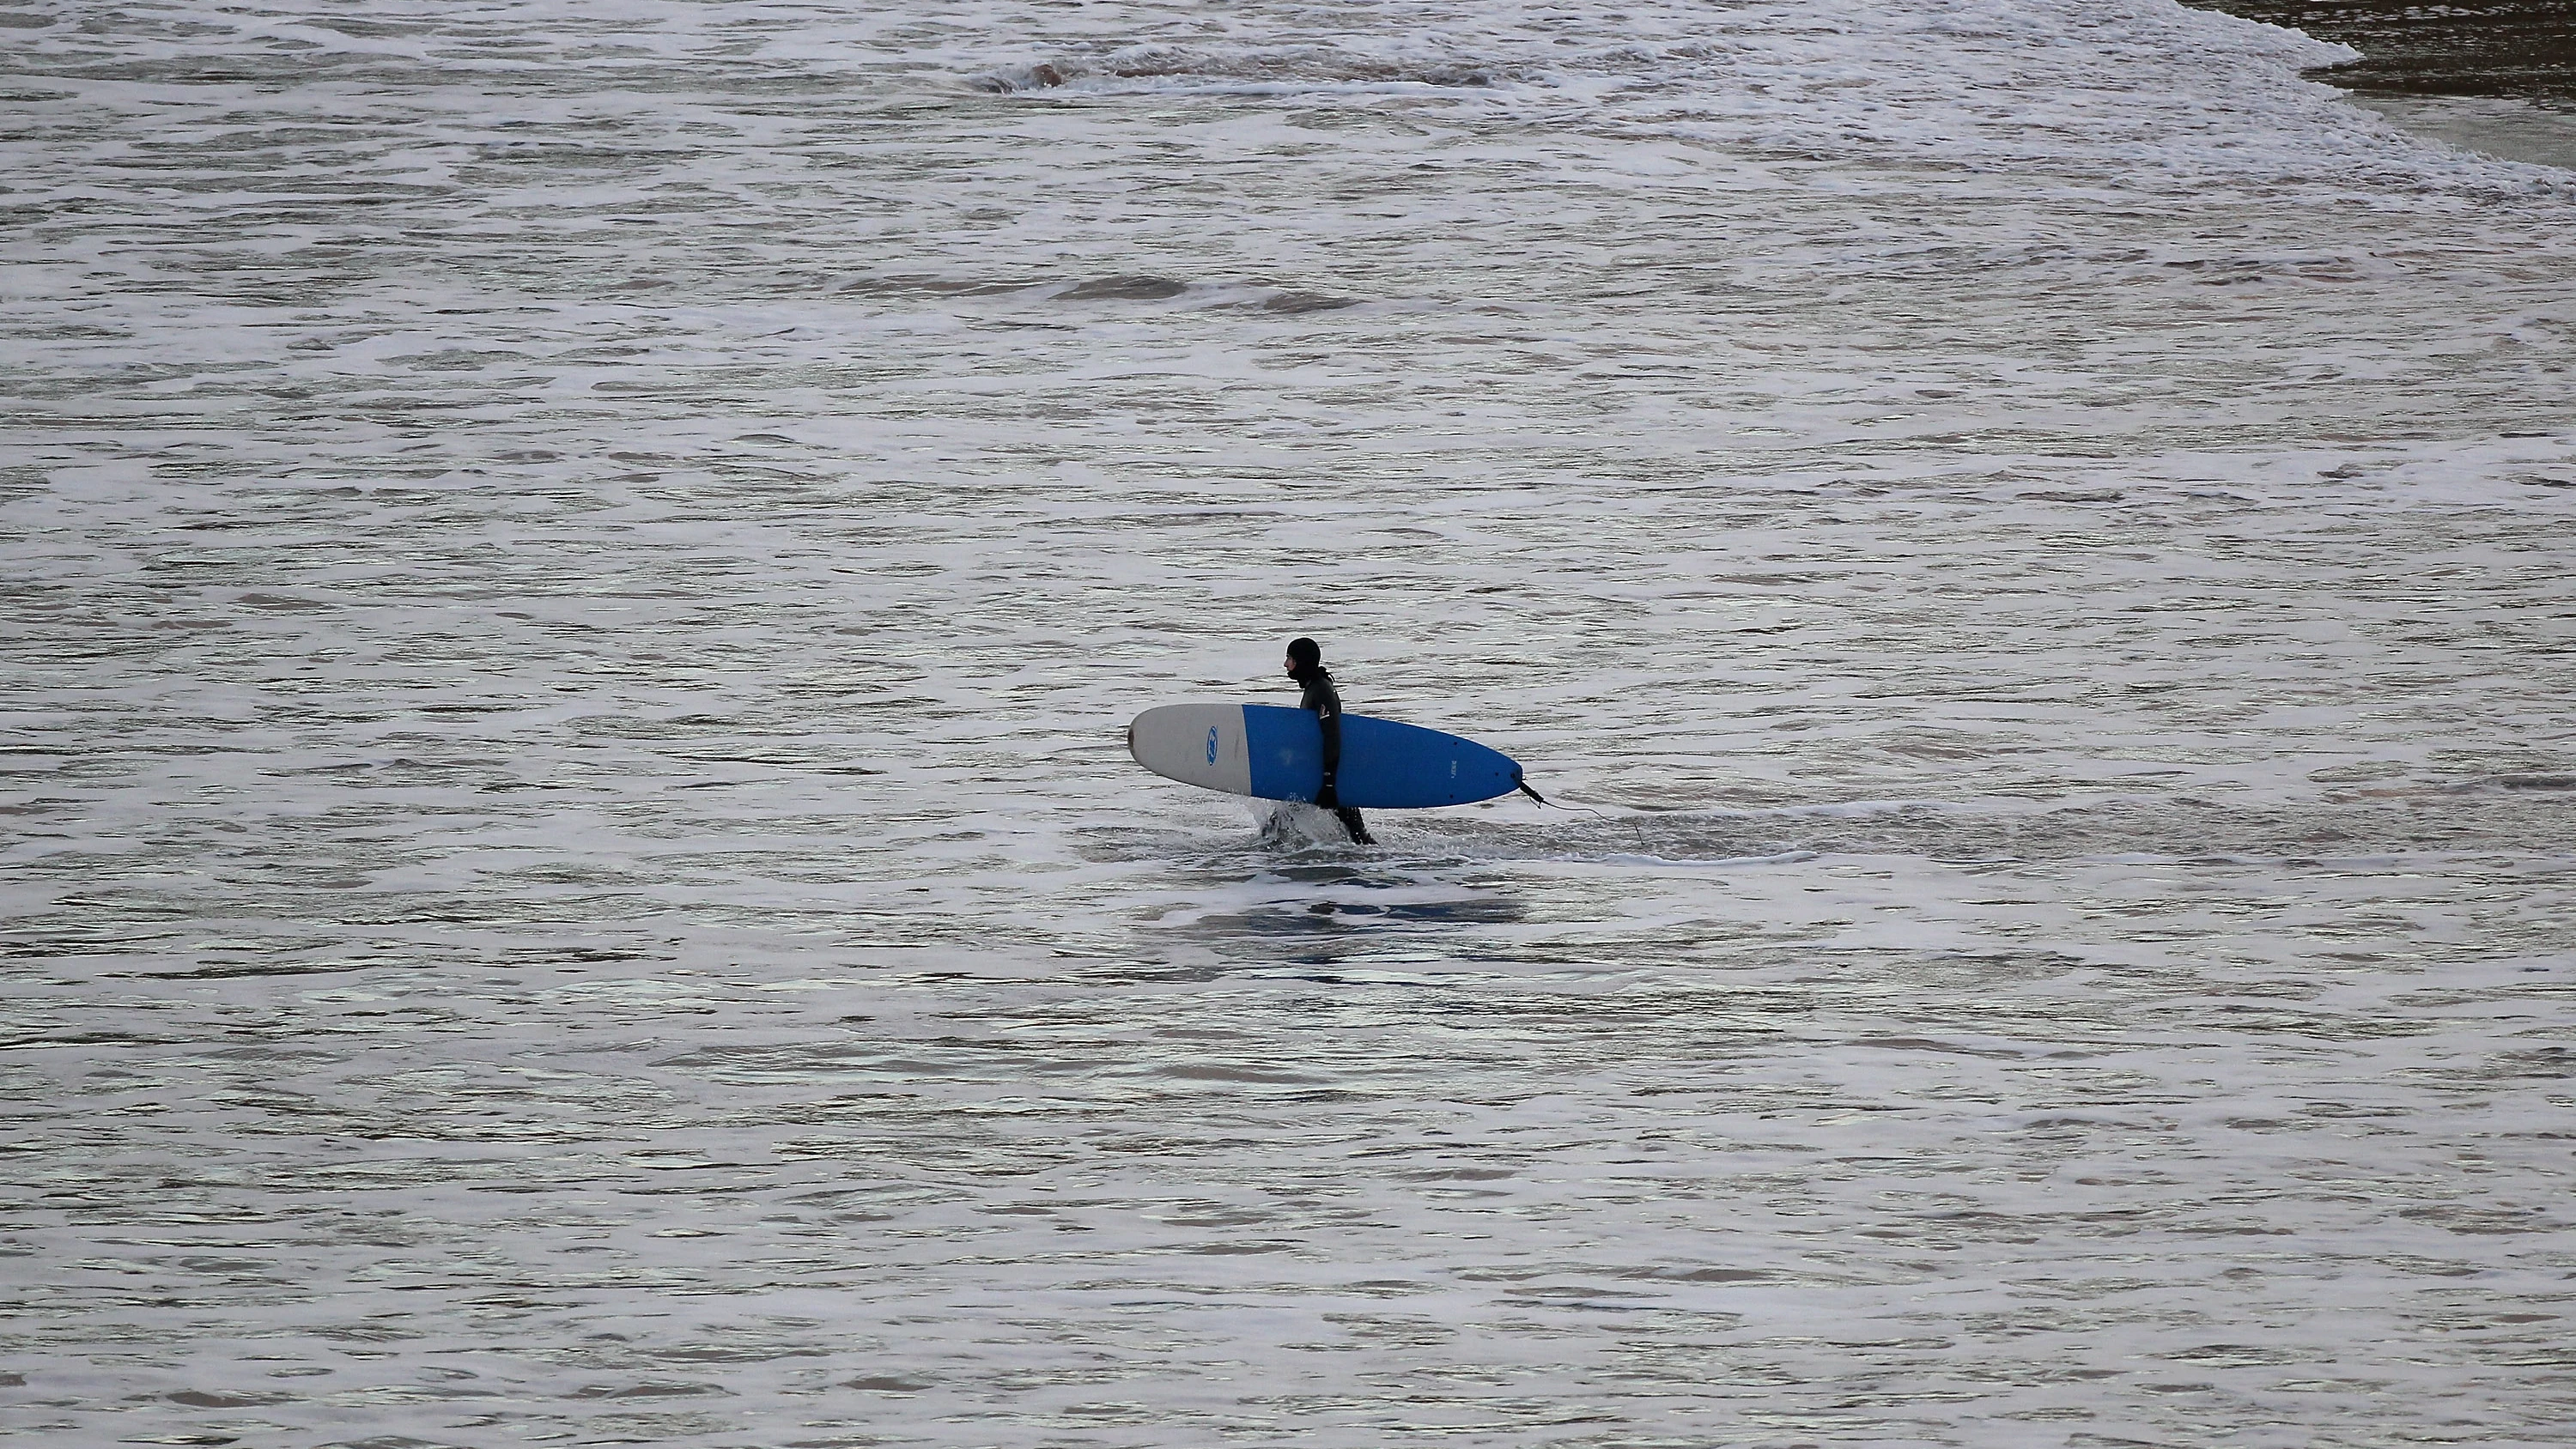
1351,822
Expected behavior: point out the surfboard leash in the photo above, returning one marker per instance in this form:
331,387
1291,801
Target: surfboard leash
1524,787
1552,805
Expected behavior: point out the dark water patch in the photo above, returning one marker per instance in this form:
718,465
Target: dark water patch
1125,289
1296,67
1704,1275
232,1399
1296,303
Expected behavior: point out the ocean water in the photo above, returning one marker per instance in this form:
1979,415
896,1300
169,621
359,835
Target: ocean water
574,573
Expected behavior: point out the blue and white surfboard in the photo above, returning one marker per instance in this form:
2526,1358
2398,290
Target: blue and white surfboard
1275,752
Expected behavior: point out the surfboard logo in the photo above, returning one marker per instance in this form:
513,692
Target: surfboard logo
1211,744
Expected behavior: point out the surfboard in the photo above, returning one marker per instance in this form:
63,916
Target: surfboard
1275,752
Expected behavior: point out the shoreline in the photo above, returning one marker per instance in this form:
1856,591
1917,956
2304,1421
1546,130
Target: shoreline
2491,76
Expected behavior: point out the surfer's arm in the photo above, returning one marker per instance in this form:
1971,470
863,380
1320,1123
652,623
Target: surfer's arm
1329,718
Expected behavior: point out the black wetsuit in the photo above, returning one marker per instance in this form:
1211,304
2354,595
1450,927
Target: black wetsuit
1326,702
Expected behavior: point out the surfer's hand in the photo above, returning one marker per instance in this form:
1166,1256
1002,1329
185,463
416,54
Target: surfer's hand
1325,797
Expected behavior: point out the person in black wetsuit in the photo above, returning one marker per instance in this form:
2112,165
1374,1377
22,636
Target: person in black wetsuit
1306,666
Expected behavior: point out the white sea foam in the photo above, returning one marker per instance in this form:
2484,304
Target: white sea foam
575,571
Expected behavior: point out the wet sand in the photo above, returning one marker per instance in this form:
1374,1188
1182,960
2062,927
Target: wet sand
2507,49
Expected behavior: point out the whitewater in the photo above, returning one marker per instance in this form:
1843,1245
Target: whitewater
572,574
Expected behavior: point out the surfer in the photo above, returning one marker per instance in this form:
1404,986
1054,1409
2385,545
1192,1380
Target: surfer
1306,666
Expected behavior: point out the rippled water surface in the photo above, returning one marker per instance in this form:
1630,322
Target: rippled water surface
574,574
